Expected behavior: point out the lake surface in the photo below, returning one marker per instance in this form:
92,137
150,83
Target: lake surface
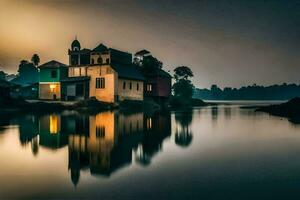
218,152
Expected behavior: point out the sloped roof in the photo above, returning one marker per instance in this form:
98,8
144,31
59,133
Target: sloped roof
163,73
100,48
85,50
52,64
157,73
142,52
128,71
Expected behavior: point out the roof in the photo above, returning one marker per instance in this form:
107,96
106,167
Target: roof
75,43
85,50
157,73
119,51
77,78
142,52
100,48
163,73
52,64
128,71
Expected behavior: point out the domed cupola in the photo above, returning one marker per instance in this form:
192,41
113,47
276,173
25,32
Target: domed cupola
75,46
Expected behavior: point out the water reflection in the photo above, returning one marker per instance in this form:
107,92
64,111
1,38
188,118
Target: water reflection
102,143
183,134
242,152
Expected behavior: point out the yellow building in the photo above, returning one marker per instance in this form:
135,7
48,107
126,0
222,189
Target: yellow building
104,73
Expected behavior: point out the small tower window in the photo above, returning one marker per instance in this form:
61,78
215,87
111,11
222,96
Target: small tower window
99,60
124,85
137,86
130,85
107,60
92,61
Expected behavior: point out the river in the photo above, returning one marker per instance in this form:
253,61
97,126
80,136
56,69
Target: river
216,152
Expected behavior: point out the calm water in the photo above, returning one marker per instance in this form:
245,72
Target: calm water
219,152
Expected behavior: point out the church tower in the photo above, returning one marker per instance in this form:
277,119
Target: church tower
78,56
74,53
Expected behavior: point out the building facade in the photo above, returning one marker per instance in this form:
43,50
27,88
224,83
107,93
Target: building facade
104,73
50,75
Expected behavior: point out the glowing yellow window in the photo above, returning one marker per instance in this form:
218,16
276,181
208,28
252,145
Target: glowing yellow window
53,124
52,87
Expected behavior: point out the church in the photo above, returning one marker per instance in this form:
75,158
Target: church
104,73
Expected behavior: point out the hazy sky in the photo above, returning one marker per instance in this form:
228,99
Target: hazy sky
226,42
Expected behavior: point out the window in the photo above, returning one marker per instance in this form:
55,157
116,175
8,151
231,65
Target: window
100,131
130,85
149,87
137,86
124,85
53,74
99,60
92,61
76,72
149,123
107,60
100,82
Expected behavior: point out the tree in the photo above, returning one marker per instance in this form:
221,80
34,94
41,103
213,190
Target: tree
27,73
35,59
151,64
3,75
183,72
183,87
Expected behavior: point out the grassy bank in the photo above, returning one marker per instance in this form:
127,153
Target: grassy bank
290,110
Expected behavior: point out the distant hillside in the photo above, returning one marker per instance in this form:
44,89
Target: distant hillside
254,92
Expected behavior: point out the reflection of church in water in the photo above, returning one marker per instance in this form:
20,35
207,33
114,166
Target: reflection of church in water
100,143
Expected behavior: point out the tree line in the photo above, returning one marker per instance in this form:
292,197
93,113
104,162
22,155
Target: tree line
27,72
252,92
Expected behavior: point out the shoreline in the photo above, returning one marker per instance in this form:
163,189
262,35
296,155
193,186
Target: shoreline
16,106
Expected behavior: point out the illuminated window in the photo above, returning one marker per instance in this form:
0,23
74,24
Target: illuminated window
76,71
52,88
124,85
53,124
149,87
100,83
53,74
149,123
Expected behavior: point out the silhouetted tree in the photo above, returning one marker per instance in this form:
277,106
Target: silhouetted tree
35,59
183,72
252,92
151,65
183,87
27,73
2,75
